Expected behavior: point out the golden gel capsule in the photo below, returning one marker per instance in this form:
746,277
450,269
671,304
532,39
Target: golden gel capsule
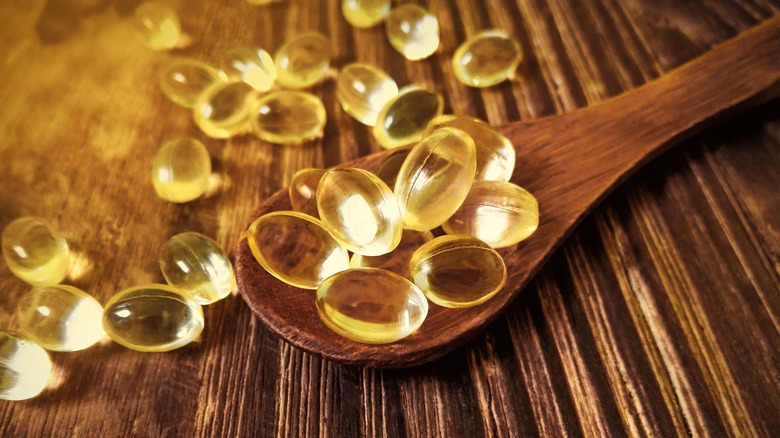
435,178
303,191
157,26
25,368
288,117
154,317
365,13
371,305
181,170
184,80
296,248
497,212
412,31
363,90
60,318
486,59
403,118
388,168
396,260
35,252
359,211
458,271
222,111
495,153
196,264
302,61
253,66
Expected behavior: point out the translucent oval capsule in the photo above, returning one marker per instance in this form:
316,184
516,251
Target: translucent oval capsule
181,170
222,111
363,90
288,117
60,318
412,31
458,271
302,61
371,305
497,212
296,248
157,26
486,59
398,259
303,191
388,168
196,264
186,79
403,118
35,252
253,66
154,317
25,367
495,153
359,210
435,178
365,13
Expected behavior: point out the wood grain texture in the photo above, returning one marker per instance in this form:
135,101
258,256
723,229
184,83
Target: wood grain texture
659,316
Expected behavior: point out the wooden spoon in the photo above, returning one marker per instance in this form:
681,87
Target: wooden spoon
569,162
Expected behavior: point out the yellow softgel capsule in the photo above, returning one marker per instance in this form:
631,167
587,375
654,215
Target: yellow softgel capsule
222,110
35,252
288,117
388,168
398,259
302,61
25,367
365,13
360,211
371,305
303,191
458,271
157,26
363,90
153,318
495,153
186,79
196,264
403,118
498,212
253,66
181,170
435,178
412,31
296,248
486,59
60,318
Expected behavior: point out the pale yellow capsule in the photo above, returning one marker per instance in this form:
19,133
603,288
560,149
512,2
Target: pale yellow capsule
303,191
371,305
181,170
365,13
157,26
398,259
363,90
403,118
25,368
288,117
486,59
388,168
412,31
222,110
186,79
302,61
35,252
253,66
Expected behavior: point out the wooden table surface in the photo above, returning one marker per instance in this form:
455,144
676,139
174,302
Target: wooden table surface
659,316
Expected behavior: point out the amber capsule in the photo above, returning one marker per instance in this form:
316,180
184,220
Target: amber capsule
35,252
253,66
371,305
154,317
412,31
495,153
303,191
388,168
396,260
222,111
196,264
25,368
186,79
60,318
181,170
403,118
302,61
296,248
435,178
486,58
365,13
363,90
157,26
288,117
458,270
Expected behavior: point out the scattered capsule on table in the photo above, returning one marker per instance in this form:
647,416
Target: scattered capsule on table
388,168
35,252
403,118
412,31
486,59
157,26
363,90
303,191
152,318
398,259
196,264
458,270
371,305
222,110
181,170
186,79
253,66
60,318
296,248
262,2
25,367
302,61
288,117
435,178
495,153
365,13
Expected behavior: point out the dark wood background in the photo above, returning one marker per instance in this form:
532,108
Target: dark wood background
659,316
